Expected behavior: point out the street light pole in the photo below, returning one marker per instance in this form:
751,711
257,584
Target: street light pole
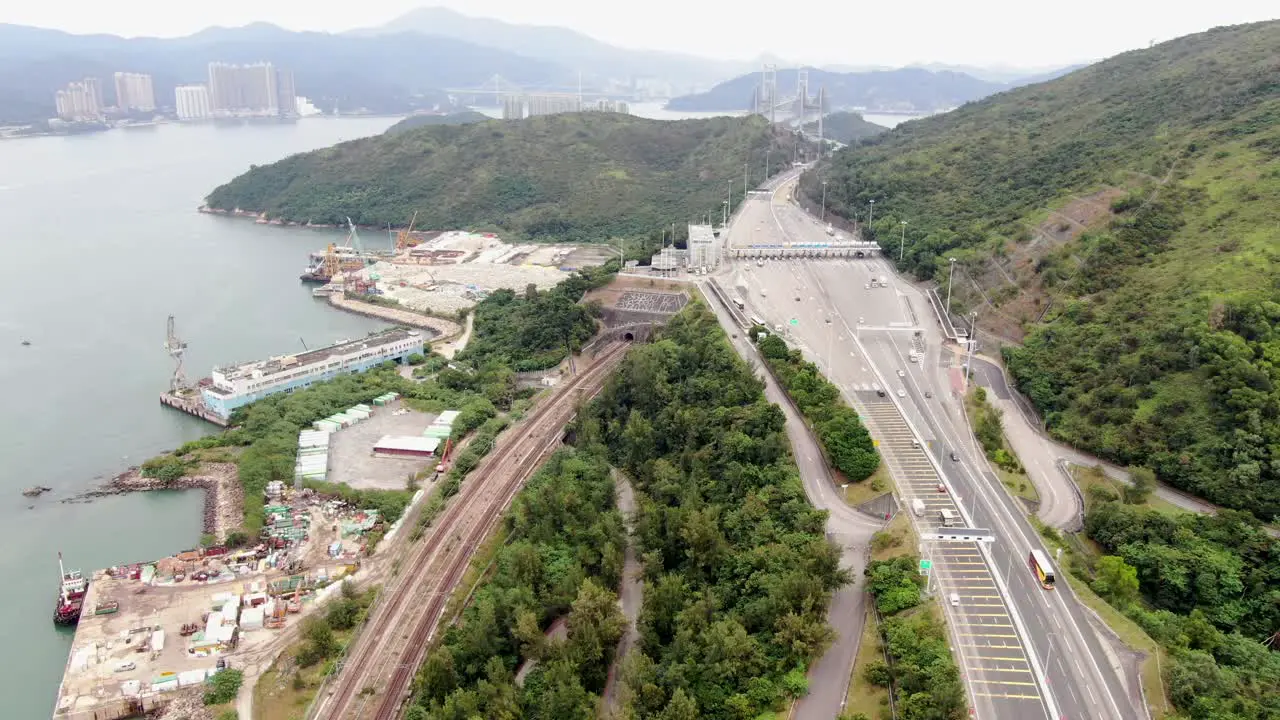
830,370
746,182
729,201
902,244
824,201
871,216
766,164
973,340
950,276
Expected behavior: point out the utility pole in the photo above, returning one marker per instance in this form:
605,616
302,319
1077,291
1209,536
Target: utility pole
950,276
902,244
973,340
871,215
729,202
823,218
766,164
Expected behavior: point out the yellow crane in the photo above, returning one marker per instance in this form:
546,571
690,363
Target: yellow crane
405,239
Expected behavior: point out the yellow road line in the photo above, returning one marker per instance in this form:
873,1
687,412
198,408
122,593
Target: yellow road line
1003,658
1002,682
985,635
1007,696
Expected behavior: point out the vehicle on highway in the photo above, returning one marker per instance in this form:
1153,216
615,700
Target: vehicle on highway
947,517
954,457
902,393
755,320
797,298
1039,563
867,286
126,666
915,443
759,263
902,373
955,599
914,357
942,488
917,507
928,393
738,301
860,321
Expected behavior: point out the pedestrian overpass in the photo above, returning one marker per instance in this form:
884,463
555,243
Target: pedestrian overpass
845,249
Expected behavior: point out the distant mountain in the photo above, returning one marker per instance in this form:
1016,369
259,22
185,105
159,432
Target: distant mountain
389,73
1010,75
1046,76
465,117
845,127
596,60
905,89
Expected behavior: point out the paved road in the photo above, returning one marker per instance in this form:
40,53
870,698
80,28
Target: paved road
1065,669
850,529
1038,451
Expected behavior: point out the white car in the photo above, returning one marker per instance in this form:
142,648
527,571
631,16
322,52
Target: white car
867,286
902,373
902,393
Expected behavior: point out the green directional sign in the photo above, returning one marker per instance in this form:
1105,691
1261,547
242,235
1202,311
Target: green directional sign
795,321
925,566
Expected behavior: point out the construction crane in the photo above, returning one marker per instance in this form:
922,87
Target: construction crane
404,239
175,348
353,282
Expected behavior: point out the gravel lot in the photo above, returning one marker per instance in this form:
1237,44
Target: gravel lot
351,458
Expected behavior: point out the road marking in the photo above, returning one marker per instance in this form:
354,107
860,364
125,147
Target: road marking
1006,670
986,635
1089,690
1001,682
1007,696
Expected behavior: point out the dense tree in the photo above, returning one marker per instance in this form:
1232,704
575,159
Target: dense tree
839,429
738,571
567,539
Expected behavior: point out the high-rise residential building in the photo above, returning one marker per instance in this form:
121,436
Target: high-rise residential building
553,104
76,102
286,93
192,102
250,90
134,91
512,107
606,105
94,86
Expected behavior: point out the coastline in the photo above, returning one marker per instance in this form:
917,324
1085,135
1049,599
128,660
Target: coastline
445,330
223,494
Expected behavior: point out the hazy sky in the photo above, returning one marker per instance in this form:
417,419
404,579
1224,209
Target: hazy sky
893,32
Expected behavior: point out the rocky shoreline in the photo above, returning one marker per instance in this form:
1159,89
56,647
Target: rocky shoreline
223,496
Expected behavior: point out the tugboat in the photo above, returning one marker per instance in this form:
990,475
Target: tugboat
70,596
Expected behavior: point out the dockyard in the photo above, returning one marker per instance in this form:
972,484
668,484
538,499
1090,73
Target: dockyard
149,629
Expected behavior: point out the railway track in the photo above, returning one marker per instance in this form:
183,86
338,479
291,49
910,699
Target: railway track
377,673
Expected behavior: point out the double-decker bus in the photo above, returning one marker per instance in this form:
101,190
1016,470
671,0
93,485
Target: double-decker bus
757,320
1039,563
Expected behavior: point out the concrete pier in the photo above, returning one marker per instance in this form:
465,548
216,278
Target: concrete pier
192,407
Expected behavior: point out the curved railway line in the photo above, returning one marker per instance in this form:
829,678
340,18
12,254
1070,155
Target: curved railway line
377,672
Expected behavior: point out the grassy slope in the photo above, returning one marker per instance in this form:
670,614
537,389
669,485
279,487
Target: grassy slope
846,127
463,117
1019,188
582,176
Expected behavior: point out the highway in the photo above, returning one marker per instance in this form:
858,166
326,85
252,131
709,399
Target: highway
1024,651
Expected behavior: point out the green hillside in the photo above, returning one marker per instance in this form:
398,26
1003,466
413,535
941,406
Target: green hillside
578,177
845,127
1120,227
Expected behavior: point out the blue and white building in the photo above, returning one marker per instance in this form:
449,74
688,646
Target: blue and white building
231,387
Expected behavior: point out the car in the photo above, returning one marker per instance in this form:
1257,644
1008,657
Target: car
860,321
942,488
902,393
928,393
126,666
902,373
955,599
954,457
797,298
866,286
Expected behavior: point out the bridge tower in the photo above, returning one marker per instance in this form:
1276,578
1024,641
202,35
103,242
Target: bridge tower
802,93
767,96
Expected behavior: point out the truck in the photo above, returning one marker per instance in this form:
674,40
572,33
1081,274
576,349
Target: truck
947,518
830,230
917,507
